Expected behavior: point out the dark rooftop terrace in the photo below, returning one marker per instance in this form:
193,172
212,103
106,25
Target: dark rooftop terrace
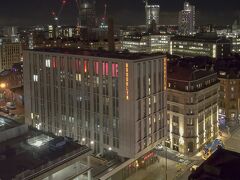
222,164
98,53
6,123
31,152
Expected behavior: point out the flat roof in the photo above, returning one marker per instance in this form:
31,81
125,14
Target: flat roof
222,164
27,154
201,38
97,53
6,123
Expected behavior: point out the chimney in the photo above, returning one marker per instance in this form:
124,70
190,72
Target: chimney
111,43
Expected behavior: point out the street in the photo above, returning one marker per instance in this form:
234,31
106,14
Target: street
177,170
232,143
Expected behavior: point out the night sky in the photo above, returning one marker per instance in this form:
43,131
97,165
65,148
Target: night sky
126,12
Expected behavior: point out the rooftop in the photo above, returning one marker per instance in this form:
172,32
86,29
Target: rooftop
202,37
6,123
222,164
189,69
30,153
228,67
97,53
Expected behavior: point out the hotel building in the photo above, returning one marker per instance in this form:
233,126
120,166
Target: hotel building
229,103
108,101
192,104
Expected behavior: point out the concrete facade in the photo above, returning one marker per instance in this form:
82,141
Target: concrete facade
110,104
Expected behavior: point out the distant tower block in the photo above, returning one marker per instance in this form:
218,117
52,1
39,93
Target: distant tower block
152,13
88,14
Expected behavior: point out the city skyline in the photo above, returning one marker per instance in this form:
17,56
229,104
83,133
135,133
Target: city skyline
125,12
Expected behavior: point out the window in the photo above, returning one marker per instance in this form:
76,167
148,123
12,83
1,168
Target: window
35,78
175,120
114,70
96,68
48,63
190,122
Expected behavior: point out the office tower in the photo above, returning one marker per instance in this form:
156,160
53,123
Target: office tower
87,14
186,22
152,14
204,44
106,100
236,25
11,32
146,43
192,106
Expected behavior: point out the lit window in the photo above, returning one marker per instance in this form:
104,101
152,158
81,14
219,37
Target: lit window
35,78
48,63
127,92
78,77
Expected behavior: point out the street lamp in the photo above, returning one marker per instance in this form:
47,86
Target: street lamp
3,85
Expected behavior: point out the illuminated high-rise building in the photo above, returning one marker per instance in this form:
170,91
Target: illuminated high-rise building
152,14
87,14
187,21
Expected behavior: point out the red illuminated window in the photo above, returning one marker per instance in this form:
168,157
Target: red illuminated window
105,69
114,70
85,66
54,62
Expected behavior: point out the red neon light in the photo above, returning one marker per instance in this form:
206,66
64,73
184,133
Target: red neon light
85,66
148,156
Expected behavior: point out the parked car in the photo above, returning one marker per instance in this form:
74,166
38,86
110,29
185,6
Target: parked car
11,105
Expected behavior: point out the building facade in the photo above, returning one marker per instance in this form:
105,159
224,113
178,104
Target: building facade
148,43
235,44
152,14
192,107
108,101
186,21
206,44
87,14
229,75
10,53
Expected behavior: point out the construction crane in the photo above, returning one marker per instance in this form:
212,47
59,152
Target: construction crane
55,15
104,18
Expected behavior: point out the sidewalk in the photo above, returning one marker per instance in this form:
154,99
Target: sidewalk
157,171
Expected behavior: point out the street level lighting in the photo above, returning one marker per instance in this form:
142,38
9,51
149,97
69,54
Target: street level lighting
3,85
